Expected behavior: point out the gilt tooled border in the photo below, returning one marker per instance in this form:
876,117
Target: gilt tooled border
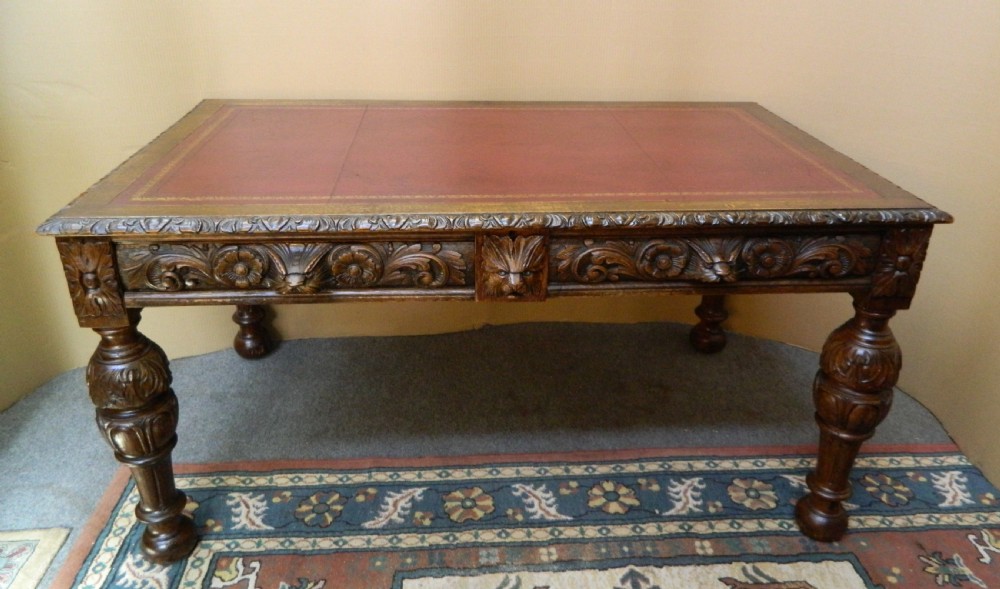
302,224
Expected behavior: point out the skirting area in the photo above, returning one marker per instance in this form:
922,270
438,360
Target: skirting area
512,389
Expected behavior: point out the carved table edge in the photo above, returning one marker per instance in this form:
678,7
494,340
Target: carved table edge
276,225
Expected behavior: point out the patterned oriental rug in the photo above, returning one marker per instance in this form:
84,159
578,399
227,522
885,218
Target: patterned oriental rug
921,517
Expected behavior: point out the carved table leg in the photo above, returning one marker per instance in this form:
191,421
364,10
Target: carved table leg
853,393
252,341
129,382
707,336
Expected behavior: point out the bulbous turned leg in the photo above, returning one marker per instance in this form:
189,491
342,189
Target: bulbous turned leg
707,336
859,366
252,341
129,382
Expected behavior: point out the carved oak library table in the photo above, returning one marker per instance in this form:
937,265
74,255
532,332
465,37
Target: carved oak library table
253,203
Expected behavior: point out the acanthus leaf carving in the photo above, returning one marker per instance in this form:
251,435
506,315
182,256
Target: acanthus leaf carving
293,268
657,259
721,259
143,433
413,265
715,259
299,267
126,370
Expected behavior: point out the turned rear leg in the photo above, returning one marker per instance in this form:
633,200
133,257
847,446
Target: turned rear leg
707,336
253,340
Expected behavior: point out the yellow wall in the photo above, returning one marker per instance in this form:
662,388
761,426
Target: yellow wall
908,88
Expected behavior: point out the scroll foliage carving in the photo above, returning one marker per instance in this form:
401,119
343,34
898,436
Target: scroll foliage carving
293,268
721,259
90,274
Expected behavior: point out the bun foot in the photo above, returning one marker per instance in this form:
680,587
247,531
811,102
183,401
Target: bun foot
173,541
819,525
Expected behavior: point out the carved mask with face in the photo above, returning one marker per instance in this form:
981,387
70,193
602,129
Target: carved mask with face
513,267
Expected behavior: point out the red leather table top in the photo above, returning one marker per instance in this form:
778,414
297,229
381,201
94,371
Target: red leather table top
234,159
382,154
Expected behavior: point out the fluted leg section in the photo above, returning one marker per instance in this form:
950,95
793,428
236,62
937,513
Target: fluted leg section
707,336
129,382
853,393
252,341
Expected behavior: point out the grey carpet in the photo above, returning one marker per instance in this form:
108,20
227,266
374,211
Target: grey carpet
520,388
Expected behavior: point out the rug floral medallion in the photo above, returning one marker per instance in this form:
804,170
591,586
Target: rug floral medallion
641,520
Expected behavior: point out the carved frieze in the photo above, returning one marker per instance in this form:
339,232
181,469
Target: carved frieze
713,259
93,286
512,267
293,268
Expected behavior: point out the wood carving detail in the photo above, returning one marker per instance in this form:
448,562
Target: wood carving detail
293,268
126,370
90,274
139,435
129,382
722,259
900,261
265,225
512,268
860,357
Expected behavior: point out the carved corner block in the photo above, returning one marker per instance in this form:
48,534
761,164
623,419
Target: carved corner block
900,260
512,267
89,266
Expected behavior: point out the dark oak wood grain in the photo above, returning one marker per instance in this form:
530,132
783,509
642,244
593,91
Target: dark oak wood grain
252,203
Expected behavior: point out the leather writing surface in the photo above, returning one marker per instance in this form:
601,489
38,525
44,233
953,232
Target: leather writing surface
490,154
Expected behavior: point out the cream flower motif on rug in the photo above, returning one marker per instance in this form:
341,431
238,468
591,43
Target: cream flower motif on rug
753,494
465,504
320,509
611,497
886,489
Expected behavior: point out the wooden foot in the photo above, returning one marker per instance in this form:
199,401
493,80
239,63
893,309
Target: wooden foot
252,341
707,336
129,382
853,393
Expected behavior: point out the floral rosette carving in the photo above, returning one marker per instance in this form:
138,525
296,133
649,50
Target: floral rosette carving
768,258
900,263
239,266
661,259
355,266
90,274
